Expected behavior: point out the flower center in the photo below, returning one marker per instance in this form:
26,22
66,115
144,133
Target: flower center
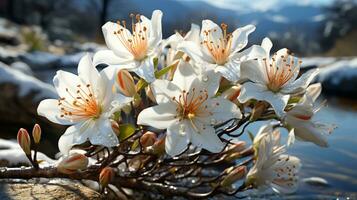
279,72
137,41
219,49
80,104
189,105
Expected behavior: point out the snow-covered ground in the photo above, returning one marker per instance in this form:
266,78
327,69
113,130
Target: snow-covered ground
26,83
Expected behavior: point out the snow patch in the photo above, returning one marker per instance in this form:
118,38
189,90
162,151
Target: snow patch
338,71
26,83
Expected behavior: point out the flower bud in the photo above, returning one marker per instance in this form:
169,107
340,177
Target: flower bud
126,83
149,94
234,174
115,127
258,110
105,176
23,138
148,139
73,163
36,133
236,147
232,93
158,147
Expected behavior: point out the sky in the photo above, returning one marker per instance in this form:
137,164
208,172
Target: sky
260,5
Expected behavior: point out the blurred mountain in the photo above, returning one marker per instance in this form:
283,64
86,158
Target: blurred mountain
296,25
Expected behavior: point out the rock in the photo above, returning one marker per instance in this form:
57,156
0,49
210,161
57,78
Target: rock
40,60
23,67
340,77
58,189
20,95
8,33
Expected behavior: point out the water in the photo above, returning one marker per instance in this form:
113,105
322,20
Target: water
337,164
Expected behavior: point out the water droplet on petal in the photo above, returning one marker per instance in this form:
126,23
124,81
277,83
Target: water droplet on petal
205,78
182,130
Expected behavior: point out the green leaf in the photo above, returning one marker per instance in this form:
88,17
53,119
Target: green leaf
163,71
158,74
125,131
295,99
156,63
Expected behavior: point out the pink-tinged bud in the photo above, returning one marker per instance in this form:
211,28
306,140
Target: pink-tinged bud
148,139
236,147
232,93
115,127
258,109
105,176
149,94
126,83
158,147
234,174
23,138
72,163
36,133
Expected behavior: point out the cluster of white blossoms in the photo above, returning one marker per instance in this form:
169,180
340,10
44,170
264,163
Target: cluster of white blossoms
193,82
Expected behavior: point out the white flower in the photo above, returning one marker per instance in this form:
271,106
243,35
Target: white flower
220,50
85,103
174,40
134,50
299,118
188,111
272,168
273,81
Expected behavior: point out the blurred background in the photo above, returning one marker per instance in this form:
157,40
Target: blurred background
39,37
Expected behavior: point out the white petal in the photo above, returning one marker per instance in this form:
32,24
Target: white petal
301,83
175,142
215,31
314,91
208,139
210,81
251,53
240,37
288,180
119,101
230,71
164,90
160,116
49,108
221,109
194,34
104,88
252,70
291,138
267,45
87,71
260,92
309,132
173,40
76,134
64,81
110,58
184,75
112,40
104,134
193,50
146,70
156,29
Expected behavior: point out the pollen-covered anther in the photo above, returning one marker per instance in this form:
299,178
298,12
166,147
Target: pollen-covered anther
280,71
135,42
218,48
79,104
